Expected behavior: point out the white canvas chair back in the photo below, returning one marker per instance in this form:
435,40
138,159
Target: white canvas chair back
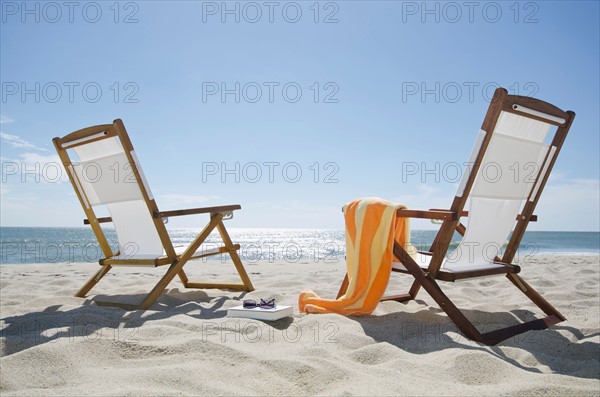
104,171
104,177
512,169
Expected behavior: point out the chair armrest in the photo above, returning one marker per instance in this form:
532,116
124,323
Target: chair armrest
100,220
443,215
431,214
462,213
533,218
191,211
194,211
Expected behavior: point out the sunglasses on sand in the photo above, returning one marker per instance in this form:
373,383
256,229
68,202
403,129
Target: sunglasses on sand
251,304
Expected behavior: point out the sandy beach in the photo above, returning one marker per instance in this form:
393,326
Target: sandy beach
55,344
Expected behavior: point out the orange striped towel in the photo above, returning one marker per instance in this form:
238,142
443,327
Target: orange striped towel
371,228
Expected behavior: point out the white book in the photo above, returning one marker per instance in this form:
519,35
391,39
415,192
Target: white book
258,313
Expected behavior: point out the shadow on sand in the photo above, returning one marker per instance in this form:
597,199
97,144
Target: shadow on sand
103,315
431,330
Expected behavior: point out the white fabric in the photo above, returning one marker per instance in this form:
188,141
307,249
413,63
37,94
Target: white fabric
449,268
509,168
543,173
135,228
488,226
82,194
108,179
467,173
521,127
105,175
506,176
102,148
453,268
421,259
142,175
424,260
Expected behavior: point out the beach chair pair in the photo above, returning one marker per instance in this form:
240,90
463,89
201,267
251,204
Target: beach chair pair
510,164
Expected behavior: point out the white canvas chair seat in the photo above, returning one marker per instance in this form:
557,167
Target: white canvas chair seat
107,173
424,260
451,268
509,167
421,259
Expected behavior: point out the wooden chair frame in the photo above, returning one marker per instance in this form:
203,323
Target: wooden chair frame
428,277
176,262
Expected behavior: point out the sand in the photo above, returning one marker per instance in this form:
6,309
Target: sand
55,344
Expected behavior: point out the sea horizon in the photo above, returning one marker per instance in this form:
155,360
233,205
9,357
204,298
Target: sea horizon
26,245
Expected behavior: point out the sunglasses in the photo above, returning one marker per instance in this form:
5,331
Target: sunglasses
251,304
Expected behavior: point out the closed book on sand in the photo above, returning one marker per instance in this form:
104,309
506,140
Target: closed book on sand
259,313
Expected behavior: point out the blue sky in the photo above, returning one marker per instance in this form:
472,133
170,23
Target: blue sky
379,86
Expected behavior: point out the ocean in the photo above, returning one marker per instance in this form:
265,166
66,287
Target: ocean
22,245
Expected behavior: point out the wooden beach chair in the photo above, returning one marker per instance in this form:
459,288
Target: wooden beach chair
508,169
107,172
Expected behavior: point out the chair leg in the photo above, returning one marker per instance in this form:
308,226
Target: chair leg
534,296
183,277
343,287
414,290
462,322
245,285
235,257
177,267
174,270
471,332
412,293
466,327
93,281
397,298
